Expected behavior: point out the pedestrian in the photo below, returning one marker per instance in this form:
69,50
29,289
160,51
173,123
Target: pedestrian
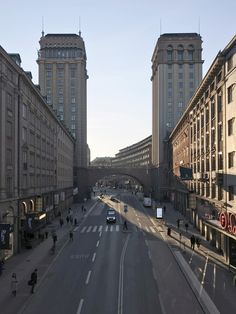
33,280
198,242
186,227
71,220
46,234
1,266
193,241
59,214
125,227
54,237
71,235
82,208
164,209
178,221
75,222
14,283
67,219
61,222
180,236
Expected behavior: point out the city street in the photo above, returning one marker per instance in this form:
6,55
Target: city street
106,269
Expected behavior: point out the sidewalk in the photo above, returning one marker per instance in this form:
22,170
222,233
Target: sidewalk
25,262
170,218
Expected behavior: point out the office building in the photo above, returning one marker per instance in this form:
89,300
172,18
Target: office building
63,80
176,74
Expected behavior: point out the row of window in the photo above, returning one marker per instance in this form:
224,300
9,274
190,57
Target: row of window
61,53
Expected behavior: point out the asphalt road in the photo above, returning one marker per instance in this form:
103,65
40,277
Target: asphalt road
106,270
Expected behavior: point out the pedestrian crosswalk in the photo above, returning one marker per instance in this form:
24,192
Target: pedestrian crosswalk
116,228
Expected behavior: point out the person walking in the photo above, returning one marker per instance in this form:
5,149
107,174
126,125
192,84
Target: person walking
198,242
61,222
75,222
193,241
125,227
14,284
178,222
33,279
67,219
186,227
71,235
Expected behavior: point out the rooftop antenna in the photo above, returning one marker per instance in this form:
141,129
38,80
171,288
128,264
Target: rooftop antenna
199,25
160,27
79,28
42,27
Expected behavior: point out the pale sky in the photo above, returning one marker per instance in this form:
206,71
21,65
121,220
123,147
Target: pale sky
120,36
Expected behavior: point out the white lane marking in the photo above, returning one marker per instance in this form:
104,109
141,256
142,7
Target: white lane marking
89,228
204,271
76,228
199,291
152,221
94,228
111,229
97,243
152,229
88,277
147,229
84,228
214,277
94,256
80,306
139,224
100,228
121,277
106,228
117,227
100,234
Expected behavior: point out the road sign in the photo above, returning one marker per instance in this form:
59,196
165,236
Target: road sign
125,208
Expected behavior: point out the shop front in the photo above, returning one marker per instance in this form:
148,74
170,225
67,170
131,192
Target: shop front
31,227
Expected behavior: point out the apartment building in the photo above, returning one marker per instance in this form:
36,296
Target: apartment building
210,121
63,80
136,155
176,74
36,153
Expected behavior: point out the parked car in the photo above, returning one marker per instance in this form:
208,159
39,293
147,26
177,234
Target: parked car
111,215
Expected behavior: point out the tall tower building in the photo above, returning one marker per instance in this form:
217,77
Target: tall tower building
176,74
63,80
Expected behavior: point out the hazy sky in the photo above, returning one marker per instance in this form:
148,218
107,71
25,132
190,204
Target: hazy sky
120,36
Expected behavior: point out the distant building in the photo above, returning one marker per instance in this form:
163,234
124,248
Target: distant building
136,155
208,129
63,80
101,162
176,74
36,153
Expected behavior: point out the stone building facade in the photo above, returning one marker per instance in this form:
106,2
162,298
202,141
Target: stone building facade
36,152
210,120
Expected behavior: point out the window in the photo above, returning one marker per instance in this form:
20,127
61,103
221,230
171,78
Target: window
169,85
9,129
191,75
73,100
190,55
230,63
219,103
180,76
169,66
169,55
230,94
73,117
48,73
169,75
73,109
231,192
230,127
72,126
72,73
231,159
9,157
180,84
190,66
9,100
180,55
24,108
24,133
191,84
60,108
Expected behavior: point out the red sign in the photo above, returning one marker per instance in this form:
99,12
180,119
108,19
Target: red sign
228,222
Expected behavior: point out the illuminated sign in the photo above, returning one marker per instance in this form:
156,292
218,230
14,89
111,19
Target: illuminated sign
228,222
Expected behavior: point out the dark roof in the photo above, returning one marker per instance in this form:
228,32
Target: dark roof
180,35
60,35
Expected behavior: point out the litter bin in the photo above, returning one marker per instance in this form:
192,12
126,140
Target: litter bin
169,231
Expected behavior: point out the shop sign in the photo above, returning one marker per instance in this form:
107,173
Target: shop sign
228,222
5,230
